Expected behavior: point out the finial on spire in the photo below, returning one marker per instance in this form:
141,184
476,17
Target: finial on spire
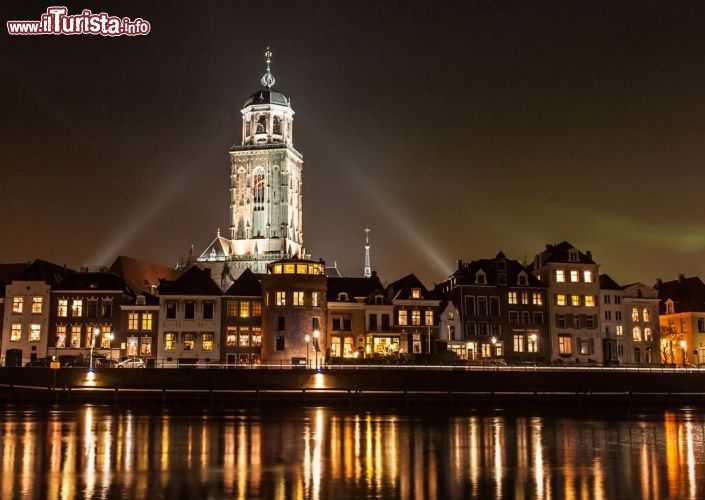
368,267
268,78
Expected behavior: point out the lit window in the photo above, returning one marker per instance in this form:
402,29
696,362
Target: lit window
575,300
636,334
105,340
90,336
60,336
518,343
289,268
146,346
669,307
244,338
37,305
257,309
536,299
415,318
587,276
16,332
589,301
232,308
132,346
403,319
169,341
298,298
277,269
34,332
524,298
133,321
147,322
574,278
619,330
646,315
189,341
532,343
635,314
76,308
281,298
560,275
207,341
314,299
17,303
75,336
256,336
415,293
62,309
231,337
586,346
512,297
428,320
565,344
244,309
648,335
560,299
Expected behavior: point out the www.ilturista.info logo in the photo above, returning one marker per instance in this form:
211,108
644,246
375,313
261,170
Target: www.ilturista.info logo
57,21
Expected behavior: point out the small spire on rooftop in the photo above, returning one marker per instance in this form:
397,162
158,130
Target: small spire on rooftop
268,78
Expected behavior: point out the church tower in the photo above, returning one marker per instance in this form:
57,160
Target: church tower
265,189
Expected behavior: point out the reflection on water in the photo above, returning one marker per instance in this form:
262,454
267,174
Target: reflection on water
315,453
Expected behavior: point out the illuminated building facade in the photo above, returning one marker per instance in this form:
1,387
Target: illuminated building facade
574,290
682,320
241,338
294,326
189,319
629,322
500,309
353,316
25,325
415,319
265,190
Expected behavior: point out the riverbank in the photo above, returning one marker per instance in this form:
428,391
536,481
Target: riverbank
378,385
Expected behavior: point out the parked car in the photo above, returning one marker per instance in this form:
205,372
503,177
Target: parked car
132,363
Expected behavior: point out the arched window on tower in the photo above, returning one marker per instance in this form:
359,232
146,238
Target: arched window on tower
258,190
277,125
262,124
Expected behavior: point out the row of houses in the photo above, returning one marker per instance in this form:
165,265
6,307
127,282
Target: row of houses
557,309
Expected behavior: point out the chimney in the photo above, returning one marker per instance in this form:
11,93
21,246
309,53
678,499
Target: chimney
588,254
460,264
681,278
659,282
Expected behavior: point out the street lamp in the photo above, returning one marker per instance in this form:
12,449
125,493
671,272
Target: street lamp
683,346
307,338
111,336
534,339
494,349
96,332
316,348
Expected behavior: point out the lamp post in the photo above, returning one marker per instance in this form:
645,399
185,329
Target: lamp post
534,339
307,338
96,332
111,336
316,334
683,346
494,349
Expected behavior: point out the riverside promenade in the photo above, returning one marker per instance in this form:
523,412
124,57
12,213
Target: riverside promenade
382,383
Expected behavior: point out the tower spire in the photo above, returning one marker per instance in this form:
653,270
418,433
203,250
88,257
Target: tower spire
368,268
268,78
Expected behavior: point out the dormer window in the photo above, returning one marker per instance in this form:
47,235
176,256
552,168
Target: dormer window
141,300
343,297
379,300
573,255
523,279
415,293
480,278
669,307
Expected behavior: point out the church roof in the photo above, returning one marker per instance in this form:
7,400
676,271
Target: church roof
140,275
219,249
265,96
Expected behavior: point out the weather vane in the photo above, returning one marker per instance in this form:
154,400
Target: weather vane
268,78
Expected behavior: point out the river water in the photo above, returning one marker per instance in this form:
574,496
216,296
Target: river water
292,452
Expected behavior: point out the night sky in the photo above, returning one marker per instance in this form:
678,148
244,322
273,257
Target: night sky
452,131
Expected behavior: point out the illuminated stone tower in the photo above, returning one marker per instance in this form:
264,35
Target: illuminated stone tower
368,267
265,190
